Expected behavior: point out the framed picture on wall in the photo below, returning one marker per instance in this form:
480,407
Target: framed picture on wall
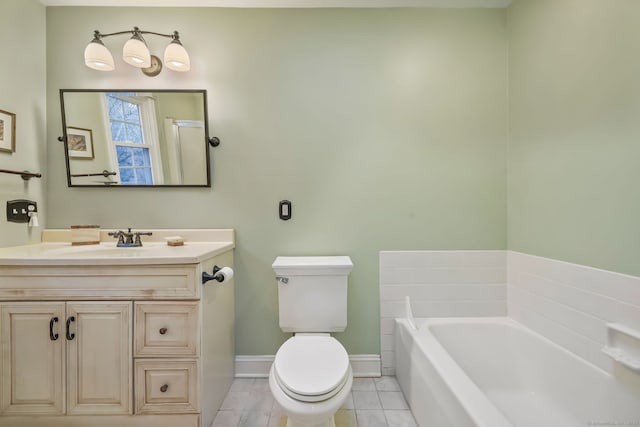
7,131
80,143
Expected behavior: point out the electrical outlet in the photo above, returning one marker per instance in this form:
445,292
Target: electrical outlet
18,210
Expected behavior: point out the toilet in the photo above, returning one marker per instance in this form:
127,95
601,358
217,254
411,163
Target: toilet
311,376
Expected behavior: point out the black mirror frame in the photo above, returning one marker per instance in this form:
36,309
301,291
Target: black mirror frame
213,141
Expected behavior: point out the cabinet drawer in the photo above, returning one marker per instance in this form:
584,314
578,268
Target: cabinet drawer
166,329
166,386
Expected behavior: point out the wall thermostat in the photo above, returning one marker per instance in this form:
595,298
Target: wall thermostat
284,209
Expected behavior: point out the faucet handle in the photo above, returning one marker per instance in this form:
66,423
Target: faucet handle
117,234
138,242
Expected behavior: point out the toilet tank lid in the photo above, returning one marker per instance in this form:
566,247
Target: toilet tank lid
303,265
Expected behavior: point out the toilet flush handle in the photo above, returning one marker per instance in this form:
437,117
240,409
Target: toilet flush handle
282,279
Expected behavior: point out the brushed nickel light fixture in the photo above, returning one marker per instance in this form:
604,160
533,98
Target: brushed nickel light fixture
136,53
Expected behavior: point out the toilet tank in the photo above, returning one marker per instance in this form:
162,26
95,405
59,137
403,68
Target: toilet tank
314,297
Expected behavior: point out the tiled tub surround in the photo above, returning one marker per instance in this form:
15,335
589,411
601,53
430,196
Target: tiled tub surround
440,284
571,304
568,305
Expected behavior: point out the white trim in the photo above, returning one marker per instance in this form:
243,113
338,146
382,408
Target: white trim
363,365
253,366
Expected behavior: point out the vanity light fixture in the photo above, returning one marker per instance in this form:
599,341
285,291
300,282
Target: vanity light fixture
136,53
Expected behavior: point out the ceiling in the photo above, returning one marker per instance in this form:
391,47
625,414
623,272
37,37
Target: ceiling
284,3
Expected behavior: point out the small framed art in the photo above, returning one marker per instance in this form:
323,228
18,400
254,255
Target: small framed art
79,143
7,131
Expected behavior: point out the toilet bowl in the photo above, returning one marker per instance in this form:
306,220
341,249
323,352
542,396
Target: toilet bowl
311,379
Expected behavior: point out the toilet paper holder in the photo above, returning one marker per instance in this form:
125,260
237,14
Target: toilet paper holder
220,274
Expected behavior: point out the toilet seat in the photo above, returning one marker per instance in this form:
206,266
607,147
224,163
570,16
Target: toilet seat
311,367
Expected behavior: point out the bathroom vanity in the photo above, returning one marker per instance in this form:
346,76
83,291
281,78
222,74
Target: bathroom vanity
106,336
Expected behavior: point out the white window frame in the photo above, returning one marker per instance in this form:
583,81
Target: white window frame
150,134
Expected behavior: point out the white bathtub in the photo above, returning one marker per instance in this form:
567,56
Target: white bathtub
494,372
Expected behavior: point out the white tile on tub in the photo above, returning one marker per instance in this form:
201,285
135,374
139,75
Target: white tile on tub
452,291
371,418
387,383
388,371
392,309
454,308
363,384
388,360
387,326
366,400
400,418
578,321
397,275
608,283
578,344
608,309
390,259
615,285
491,258
392,400
387,342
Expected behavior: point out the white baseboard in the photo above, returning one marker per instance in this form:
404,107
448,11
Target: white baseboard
363,365
253,366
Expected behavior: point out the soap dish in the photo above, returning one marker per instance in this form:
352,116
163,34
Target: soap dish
174,240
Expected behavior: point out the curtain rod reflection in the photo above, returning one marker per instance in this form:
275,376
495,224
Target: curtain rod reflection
104,173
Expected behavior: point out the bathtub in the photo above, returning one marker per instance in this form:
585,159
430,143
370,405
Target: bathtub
494,372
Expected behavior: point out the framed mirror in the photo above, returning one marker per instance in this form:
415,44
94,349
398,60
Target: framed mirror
135,138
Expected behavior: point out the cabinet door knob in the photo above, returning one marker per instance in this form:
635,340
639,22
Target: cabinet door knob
163,331
164,388
52,336
70,335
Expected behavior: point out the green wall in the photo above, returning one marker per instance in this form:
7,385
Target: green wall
386,128
574,150
22,92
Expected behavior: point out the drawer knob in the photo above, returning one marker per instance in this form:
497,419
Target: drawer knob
163,331
164,388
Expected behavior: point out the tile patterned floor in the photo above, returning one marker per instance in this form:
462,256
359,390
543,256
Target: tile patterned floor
373,402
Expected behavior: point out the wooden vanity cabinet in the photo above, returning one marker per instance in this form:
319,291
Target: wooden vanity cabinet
131,356
43,361
33,364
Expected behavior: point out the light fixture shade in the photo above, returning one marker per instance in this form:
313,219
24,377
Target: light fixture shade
136,53
176,57
98,57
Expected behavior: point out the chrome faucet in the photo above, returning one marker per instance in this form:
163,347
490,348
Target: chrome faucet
126,239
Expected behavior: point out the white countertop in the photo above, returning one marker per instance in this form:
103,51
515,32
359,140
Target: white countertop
58,253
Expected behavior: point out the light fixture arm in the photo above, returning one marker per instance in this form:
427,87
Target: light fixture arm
136,31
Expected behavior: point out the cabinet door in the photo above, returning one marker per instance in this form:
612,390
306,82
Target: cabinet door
32,350
99,358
